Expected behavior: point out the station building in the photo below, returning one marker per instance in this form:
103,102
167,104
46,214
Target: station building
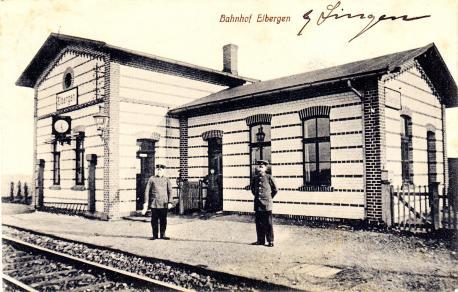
104,116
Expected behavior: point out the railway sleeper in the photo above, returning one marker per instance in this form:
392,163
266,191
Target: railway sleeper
45,275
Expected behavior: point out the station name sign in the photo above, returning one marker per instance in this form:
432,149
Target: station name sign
67,98
392,98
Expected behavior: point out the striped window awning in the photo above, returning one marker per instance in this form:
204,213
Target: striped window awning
155,136
212,134
313,111
78,129
258,119
430,128
148,136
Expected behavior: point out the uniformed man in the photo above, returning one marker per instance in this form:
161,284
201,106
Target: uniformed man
158,198
213,183
264,190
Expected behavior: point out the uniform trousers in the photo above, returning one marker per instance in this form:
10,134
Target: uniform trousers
264,228
159,220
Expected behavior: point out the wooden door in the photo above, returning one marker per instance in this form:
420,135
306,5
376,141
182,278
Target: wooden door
146,155
215,186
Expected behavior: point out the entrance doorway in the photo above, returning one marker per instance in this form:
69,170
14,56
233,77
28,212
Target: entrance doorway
431,150
146,156
214,179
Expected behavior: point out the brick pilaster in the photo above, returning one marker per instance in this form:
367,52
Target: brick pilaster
184,147
111,143
444,147
374,141
33,187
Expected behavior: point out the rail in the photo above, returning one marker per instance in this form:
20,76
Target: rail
138,280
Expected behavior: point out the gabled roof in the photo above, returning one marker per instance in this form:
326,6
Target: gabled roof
428,56
56,42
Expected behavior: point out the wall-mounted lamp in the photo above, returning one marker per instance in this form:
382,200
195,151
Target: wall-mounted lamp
101,120
260,135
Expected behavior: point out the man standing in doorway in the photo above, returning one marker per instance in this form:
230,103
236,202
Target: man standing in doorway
212,182
158,198
264,190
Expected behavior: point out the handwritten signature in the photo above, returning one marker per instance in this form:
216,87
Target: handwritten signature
372,19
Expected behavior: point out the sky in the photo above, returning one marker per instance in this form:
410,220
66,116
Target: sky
192,31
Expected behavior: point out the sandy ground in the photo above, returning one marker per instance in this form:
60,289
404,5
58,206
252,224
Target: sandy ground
369,260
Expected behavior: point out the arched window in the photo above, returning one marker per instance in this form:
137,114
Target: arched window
406,152
79,159
260,139
56,165
431,149
316,146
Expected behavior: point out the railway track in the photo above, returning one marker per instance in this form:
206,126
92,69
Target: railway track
180,275
29,267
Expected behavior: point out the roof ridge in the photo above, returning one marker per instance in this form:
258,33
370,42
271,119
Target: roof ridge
375,65
352,62
72,37
57,41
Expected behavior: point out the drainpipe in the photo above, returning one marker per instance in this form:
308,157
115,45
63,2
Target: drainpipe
361,98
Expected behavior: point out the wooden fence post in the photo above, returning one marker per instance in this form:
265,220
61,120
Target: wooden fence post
392,205
19,192
434,201
180,197
26,193
92,159
12,191
387,204
40,183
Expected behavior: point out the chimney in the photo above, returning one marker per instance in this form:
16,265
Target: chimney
230,59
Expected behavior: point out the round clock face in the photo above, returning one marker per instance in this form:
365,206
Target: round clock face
61,126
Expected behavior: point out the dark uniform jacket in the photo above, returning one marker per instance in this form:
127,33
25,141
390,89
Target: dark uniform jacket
264,190
158,192
212,181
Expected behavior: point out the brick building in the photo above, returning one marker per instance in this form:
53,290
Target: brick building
330,134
